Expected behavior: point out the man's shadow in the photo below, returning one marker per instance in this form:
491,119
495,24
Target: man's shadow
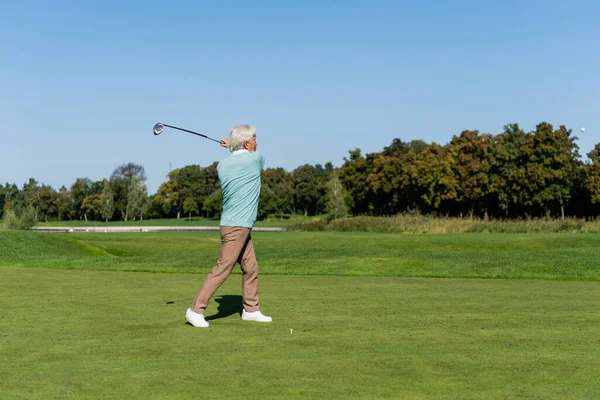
228,305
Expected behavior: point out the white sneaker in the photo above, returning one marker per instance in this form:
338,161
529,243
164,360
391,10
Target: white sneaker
196,319
255,316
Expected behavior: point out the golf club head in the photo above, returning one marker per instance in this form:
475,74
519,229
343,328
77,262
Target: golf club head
158,128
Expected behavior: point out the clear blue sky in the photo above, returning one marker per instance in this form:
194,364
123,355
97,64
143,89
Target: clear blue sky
83,82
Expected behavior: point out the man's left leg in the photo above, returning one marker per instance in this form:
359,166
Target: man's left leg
249,267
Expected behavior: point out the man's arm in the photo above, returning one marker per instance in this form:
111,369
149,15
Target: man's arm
260,160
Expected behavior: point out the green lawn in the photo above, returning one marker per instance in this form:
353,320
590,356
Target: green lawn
513,256
81,334
73,325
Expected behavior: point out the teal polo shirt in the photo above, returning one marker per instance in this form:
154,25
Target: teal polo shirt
239,175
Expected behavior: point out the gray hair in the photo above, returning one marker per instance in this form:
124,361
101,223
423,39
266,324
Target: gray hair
239,135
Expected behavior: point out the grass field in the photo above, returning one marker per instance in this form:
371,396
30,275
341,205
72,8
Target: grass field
512,256
373,316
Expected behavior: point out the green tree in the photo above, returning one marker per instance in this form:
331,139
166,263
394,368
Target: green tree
64,204
385,178
384,181
281,183
431,176
169,195
553,167
136,200
267,203
80,189
591,173
47,203
7,194
471,157
2,200
190,206
213,204
125,179
154,209
417,146
91,206
18,217
337,198
31,196
107,201
508,172
197,183
309,188
353,174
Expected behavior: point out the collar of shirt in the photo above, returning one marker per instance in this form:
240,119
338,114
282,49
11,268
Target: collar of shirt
240,151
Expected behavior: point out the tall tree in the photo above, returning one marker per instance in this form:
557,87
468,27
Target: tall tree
337,198
309,188
8,194
47,203
384,181
169,195
137,200
190,206
281,183
64,203
431,177
553,167
267,203
124,179
353,174
591,173
2,200
31,196
197,183
107,201
80,189
417,146
213,204
470,156
508,172
92,206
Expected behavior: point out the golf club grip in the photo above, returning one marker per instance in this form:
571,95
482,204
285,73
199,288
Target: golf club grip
192,132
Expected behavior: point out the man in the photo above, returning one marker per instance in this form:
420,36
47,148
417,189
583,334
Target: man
239,175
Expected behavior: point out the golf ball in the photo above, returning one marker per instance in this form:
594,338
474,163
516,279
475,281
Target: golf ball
582,129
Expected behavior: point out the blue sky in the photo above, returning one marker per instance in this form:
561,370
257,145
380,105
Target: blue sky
83,83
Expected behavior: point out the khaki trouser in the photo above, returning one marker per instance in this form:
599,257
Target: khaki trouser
236,246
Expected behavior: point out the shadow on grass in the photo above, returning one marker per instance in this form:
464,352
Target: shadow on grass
228,305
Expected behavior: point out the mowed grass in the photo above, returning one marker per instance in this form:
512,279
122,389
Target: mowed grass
356,315
474,255
93,334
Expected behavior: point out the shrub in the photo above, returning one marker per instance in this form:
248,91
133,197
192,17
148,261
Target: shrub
416,223
14,219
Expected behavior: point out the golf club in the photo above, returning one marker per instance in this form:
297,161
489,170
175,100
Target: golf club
158,128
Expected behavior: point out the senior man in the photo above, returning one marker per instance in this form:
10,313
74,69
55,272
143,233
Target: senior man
239,175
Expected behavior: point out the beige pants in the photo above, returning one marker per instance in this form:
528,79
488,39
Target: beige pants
236,246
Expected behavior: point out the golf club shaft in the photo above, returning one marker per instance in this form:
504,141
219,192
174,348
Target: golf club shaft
193,133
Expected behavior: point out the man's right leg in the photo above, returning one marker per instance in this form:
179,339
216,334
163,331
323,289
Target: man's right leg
232,243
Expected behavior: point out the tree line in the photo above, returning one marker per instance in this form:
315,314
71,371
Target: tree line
189,191
513,174
507,175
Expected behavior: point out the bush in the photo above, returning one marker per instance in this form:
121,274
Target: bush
24,219
416,223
